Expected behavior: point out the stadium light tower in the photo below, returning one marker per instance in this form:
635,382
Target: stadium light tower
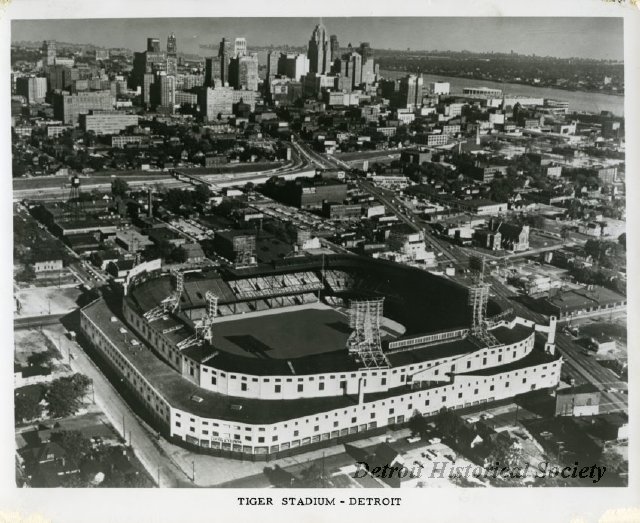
365,340
478,300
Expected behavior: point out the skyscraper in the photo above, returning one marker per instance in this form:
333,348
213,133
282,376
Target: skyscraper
34,89
319,52
153,45
293,66
243,72
224,54
334,47
49,52
411,91
164,92
240,47
172,46
272,64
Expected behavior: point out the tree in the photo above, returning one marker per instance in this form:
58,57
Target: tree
178,255
27,407
119,187
27,274
418,424
202,194
622,240
74,443
40,359
65,395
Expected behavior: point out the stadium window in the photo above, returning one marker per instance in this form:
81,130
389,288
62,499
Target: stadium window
484,361
236,436
296,433
300,387
383,381
243,386
335,423
316,428
343,384
459,395
205,432
373,415
426,403
506,384
274,438
499,357
444,398
468,364
277,388
402,377
475,391
524,380
491,387
391,411
247,438
191,371
321,385
261,439
214,381
353,420
233,377
178,424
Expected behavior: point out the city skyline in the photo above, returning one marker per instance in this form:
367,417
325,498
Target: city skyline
598,38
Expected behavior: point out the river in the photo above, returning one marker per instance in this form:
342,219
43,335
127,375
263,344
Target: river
578,100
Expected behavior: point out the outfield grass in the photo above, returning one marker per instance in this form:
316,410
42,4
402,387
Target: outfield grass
283,336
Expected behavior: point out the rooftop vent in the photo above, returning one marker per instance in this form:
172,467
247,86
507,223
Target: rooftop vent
236,407
196,398
114,319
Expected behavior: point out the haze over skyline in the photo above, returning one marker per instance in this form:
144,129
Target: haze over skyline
599,38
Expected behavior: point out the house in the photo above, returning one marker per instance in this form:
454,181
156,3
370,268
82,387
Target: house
47,464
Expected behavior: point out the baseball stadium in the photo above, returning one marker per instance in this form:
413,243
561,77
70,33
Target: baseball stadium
266,361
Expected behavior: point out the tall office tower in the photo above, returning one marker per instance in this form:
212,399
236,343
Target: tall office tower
334,47
243,72
153,45
411,90
349,66
224,53
293,66
240,47
365,51
164,92
172,46
212,72
61,77
272,65
33,88
368,66
49,52
319,52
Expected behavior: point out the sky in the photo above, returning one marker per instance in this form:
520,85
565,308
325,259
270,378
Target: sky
600,38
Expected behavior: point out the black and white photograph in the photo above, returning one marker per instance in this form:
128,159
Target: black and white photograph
320,252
